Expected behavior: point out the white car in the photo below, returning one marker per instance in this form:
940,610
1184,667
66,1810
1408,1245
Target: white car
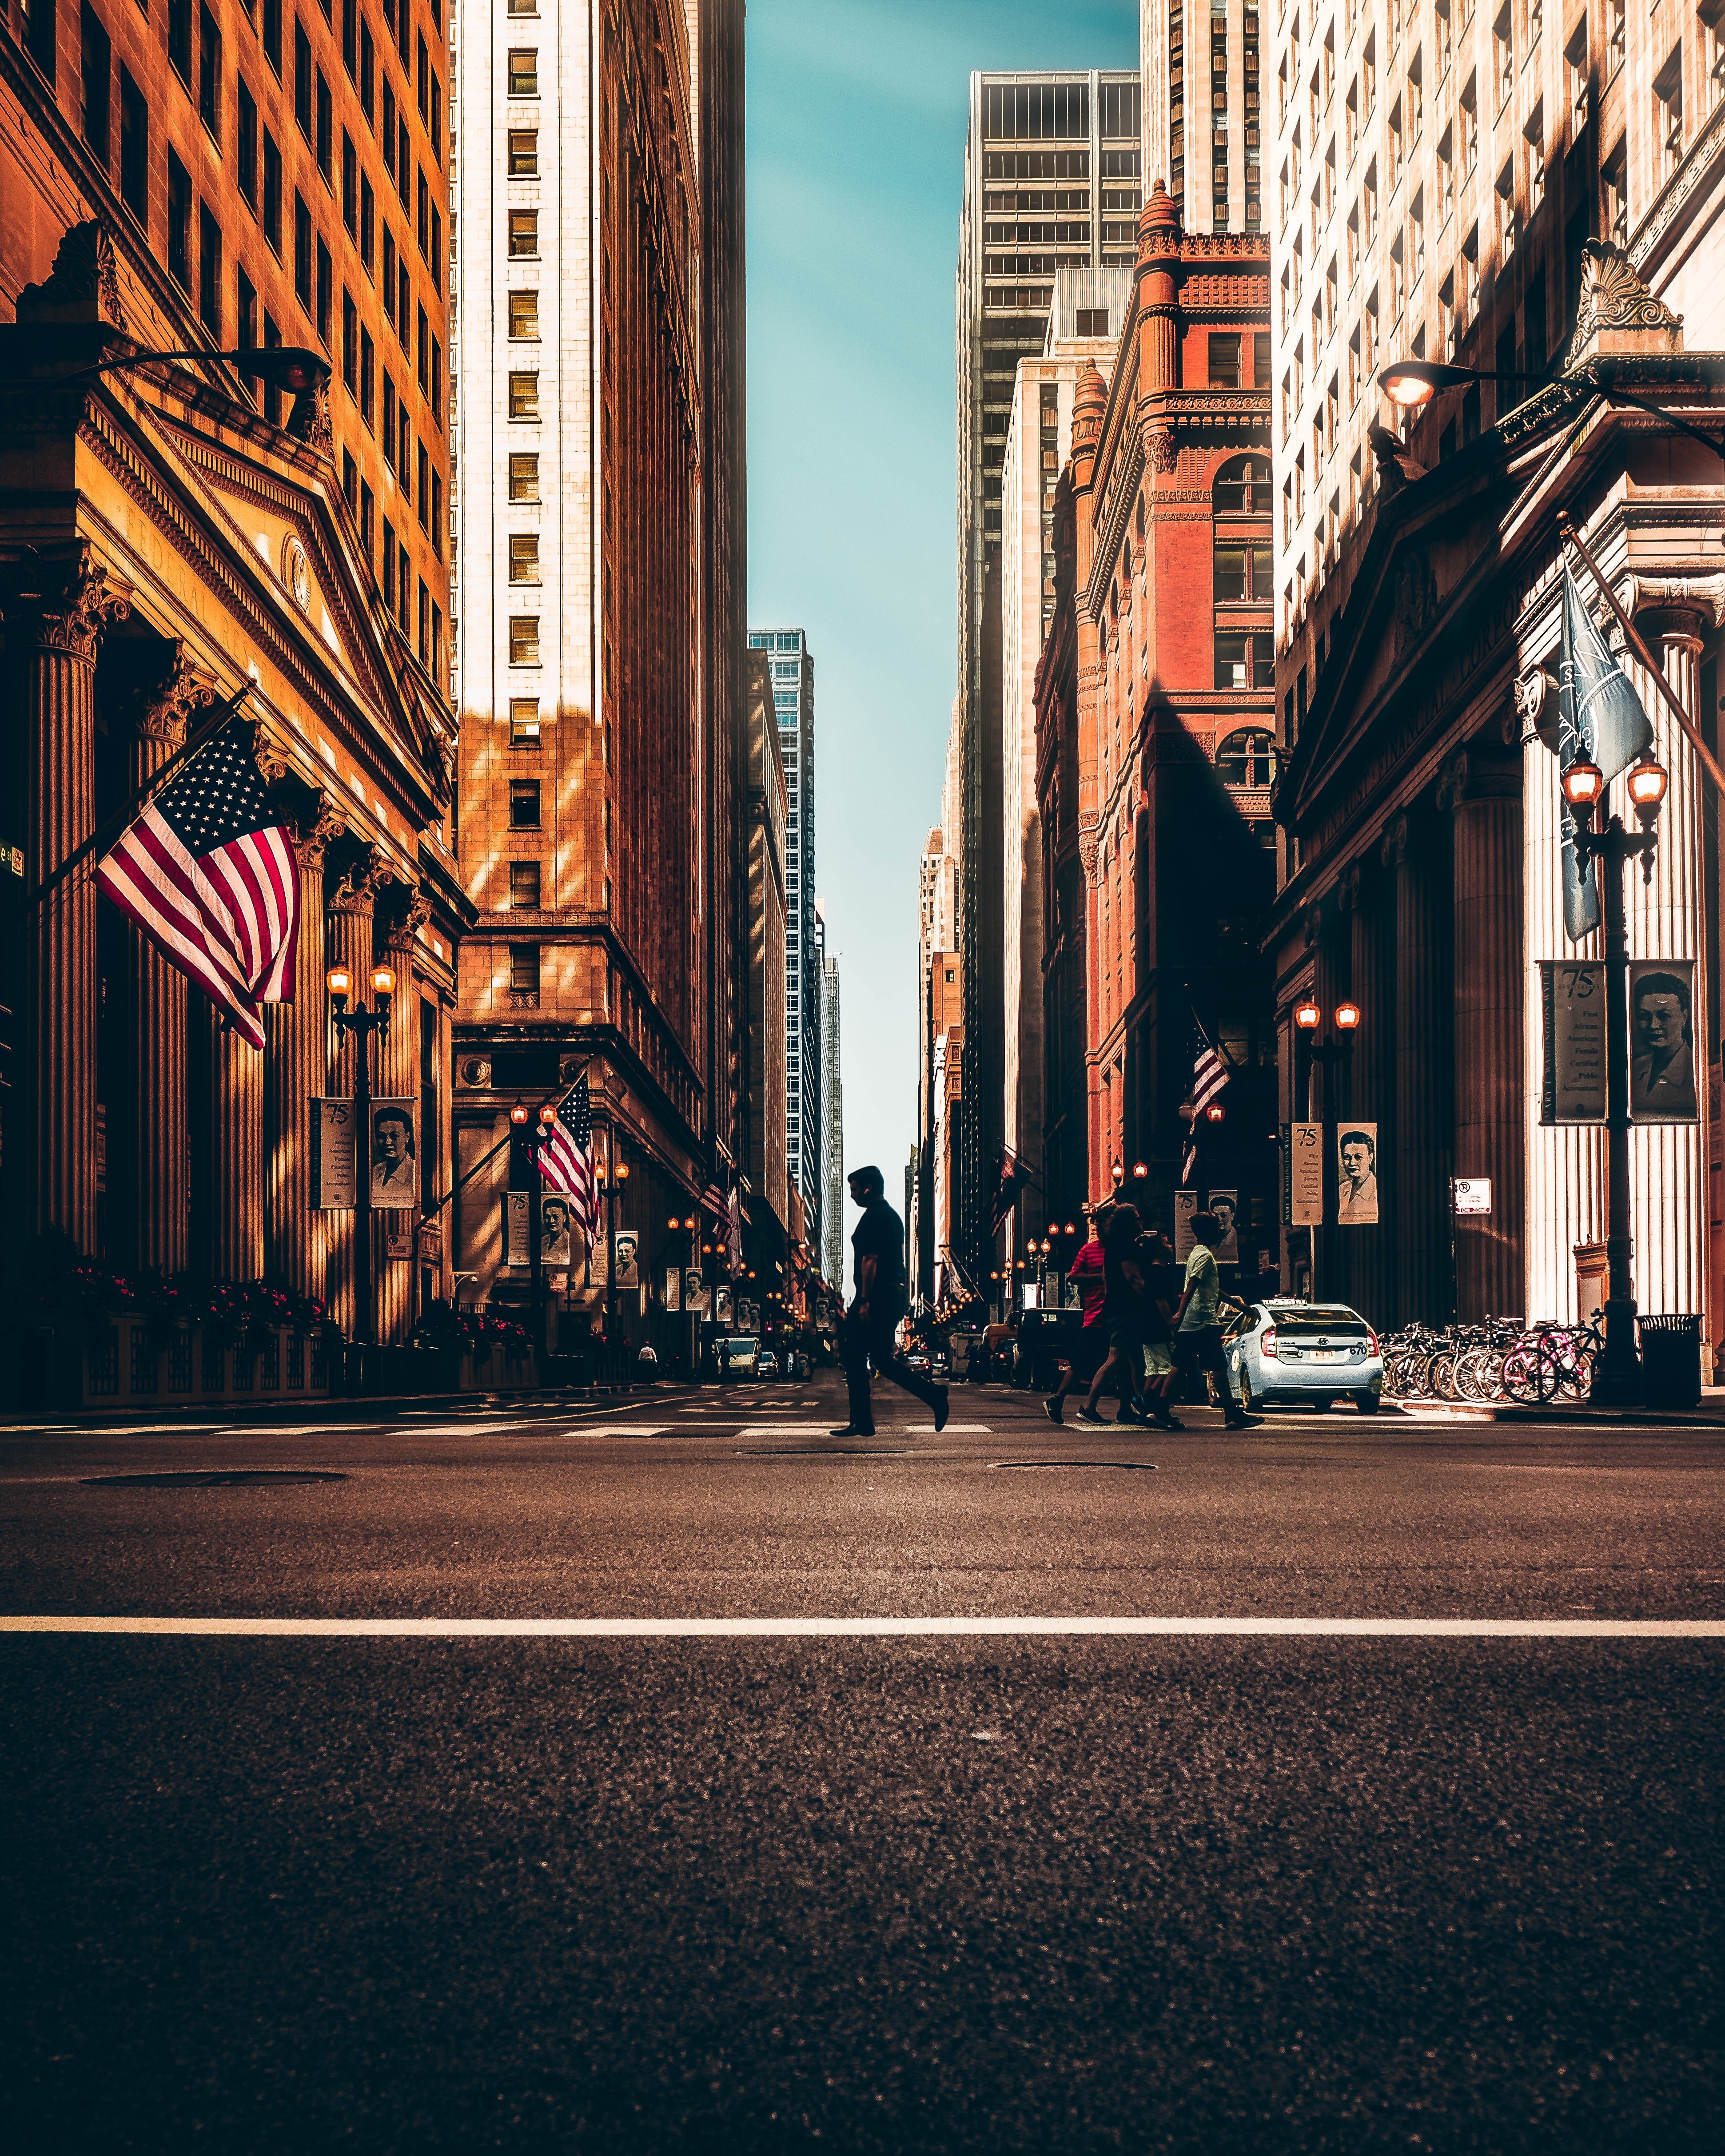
1284,1352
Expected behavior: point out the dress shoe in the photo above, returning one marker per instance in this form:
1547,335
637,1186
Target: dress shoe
942,1408
850,1430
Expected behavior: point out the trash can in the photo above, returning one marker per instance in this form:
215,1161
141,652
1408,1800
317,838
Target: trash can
1670,1362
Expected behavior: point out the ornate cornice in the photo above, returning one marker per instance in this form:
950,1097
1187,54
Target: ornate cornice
83,286
164,712
313,831
1613,298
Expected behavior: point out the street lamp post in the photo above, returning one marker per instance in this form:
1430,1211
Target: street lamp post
1308,1017
363,1025
689,1230
1619,1379
1412,383
536,1141
612,1174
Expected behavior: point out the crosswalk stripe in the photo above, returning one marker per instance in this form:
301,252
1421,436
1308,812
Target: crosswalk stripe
885,1628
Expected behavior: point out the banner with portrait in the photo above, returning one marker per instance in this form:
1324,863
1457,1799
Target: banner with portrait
1572,1002
697,1295
721,1306
1225,1205
1356,1175
674,1288
395,1156
628,1251
556,1230
1661,1013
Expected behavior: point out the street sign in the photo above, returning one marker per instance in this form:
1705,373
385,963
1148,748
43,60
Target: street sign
1472,1193
1305,1175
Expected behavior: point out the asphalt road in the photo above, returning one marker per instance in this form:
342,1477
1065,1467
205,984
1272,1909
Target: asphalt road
1273,1893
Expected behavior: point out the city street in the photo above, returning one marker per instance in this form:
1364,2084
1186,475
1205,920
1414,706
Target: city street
835,1885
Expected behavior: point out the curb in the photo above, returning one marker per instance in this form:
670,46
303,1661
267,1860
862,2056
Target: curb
1491,1411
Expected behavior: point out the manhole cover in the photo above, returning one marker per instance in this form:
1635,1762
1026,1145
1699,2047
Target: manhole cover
1126,1467
824,1451
211,1478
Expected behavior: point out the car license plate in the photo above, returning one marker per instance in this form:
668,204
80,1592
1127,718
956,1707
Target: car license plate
1327,1355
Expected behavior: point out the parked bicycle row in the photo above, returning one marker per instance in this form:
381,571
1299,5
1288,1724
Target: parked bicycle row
1500,1358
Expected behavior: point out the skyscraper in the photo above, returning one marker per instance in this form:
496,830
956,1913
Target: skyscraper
832,1095
600,551
1051,182
1203,76
793,703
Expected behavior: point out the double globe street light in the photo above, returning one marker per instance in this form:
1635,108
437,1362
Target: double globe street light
363,1025
535,1139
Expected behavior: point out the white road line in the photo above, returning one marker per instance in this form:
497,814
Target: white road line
886,1627
278,1429
619,1429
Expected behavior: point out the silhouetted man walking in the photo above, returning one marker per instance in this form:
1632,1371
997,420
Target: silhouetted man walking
878,1271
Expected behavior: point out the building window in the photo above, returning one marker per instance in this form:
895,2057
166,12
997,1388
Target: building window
1668,114
424,489
524,722
1242,488
179,37
272,35
524,475
245,140
368,516
523,557
524,315
524,396
523,879
302,252
524,804
1224,361
325,290
523,72
1092,321
524,970
367,73
179,223
209,271
325,129
350,345
1613,176
524,640
1242,569
523,234
524,153
96,74
209,73
134,150
1248,758
302,80
272,193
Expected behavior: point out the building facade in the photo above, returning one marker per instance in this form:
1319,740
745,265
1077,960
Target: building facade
1528,195
1203,74
1155,707
177,532
1083,327
940,1006
600,551
1051,182
794,704
832,1094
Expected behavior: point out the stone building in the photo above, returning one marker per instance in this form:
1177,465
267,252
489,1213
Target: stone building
601,548
940,1006
1154,708
181,197
1084,325
1526,195
766,1163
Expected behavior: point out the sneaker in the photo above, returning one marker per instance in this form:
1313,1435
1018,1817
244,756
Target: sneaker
942,1409
1090,1414
1129,1413
1051,1408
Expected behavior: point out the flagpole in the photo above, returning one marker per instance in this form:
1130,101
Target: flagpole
114,824
1567,531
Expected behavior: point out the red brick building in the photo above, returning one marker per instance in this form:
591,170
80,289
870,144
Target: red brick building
1156,712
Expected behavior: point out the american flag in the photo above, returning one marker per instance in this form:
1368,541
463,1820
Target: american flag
208,872
734,1232
712,1200
1209,1075
566,1158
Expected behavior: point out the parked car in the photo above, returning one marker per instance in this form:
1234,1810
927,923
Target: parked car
767,1364
1284,1352
961,1347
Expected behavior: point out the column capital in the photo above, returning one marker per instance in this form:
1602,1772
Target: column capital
313,829
1682,606
360,881
409,910
164,712
63,605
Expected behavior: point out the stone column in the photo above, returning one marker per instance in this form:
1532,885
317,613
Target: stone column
295,1070
1330,940
1422,1134
161,1131
237,1157
55,616
1373,1076
400,1078
350,940
1484,793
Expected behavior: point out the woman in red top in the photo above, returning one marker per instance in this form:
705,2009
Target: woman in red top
1086,1274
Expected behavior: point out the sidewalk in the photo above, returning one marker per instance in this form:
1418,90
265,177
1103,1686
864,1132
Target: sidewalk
363,1406
1709,1415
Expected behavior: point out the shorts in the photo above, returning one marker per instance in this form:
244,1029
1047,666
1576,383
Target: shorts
1158,1359
1126,1339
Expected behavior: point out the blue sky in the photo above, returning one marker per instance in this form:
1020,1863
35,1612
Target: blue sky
857,112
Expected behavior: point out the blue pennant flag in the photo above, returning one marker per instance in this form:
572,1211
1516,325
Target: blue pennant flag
1600,720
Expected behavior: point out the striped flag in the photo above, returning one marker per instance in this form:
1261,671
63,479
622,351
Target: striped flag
208,872
1209,1075
712,1200
734,1235
566,1158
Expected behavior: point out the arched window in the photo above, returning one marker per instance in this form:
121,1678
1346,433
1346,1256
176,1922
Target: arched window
1248,758
1242,487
